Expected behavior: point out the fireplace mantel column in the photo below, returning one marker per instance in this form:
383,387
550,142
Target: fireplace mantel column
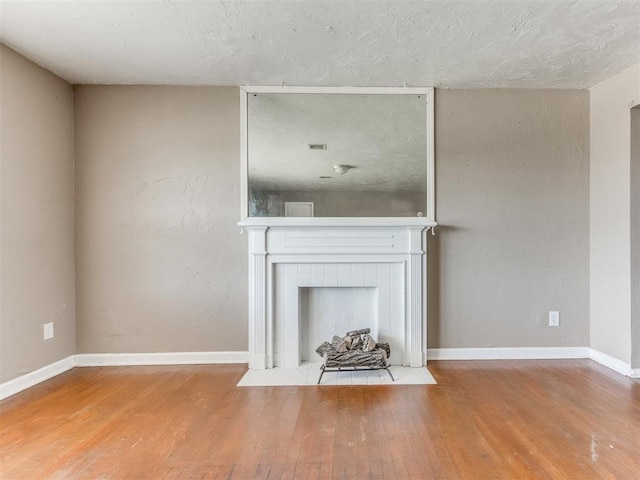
258,353
414,300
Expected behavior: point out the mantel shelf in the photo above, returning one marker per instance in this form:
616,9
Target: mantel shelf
330,222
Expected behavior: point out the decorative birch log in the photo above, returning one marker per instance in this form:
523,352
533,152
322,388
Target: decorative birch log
356,358
356,349
362,331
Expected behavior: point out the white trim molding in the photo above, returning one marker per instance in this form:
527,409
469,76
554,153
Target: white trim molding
426,92
508,353
166,358
533,353
611,362
31,379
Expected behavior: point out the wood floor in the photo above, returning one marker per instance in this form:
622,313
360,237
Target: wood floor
569,419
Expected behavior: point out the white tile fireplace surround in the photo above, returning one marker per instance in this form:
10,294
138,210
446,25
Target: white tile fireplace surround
287,255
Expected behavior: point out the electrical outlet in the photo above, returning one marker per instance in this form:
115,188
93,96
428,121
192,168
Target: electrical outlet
554,318
48,330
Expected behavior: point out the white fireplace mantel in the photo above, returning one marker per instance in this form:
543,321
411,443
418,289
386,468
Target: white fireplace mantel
339,251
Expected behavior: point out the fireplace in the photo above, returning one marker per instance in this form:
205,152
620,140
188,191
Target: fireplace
326,311
344,280
386,256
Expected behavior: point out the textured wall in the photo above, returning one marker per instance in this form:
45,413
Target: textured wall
512,198
161,264
36,239
635,236
610,299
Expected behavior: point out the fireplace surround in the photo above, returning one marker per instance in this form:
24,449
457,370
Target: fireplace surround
287,254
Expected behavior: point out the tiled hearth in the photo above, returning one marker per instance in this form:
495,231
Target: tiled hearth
307,374
287,254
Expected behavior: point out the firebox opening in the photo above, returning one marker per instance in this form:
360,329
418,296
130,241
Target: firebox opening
328,311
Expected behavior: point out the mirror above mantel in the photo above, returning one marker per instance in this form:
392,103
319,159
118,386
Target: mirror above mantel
337,152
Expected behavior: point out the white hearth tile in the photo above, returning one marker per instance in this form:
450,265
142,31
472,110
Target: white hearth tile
344,378
303,376
344,275
359,378
379,377
290,376
357,274
308,372
422,376
331,275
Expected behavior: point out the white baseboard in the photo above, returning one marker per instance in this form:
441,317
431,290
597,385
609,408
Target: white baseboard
613,363
169,358
508,353
533,353
37,376
28,380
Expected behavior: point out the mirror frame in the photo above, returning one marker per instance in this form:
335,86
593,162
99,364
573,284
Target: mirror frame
428,92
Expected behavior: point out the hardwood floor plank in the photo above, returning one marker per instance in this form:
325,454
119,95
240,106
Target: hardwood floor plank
567,419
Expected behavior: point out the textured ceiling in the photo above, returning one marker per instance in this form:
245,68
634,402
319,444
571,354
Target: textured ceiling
455,44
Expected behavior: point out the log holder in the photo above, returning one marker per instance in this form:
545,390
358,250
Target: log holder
354,368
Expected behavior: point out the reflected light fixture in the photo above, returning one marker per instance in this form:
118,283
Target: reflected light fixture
342,169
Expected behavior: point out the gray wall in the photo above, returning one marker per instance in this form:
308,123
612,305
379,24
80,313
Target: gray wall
610,213
635,237
36,231
161,265
512,198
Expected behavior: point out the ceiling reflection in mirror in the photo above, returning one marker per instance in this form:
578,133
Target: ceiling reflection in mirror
346,155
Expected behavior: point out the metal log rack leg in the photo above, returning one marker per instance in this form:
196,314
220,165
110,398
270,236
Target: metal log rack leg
323,369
